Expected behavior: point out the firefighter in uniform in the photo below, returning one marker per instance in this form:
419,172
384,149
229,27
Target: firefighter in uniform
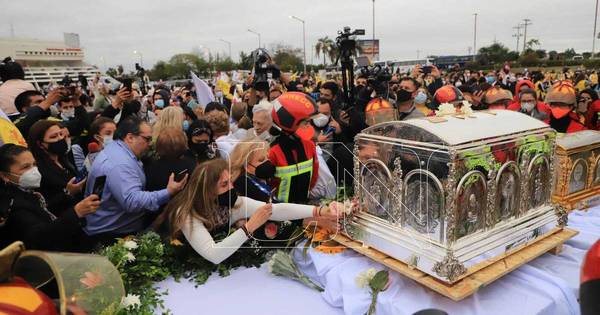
293,153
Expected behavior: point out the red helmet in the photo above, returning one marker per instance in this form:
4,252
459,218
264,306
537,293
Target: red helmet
291,108
447,94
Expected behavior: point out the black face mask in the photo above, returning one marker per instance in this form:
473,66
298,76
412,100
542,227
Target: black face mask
200,148
265,170
59,147
403,96
228,198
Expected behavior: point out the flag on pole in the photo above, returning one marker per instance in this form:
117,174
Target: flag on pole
203,92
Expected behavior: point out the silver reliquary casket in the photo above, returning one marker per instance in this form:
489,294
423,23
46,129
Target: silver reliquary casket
448,195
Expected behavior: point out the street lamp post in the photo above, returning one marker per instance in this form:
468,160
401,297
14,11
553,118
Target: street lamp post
228,44
373,47
255,33
594,40
475,37
135,52
303,37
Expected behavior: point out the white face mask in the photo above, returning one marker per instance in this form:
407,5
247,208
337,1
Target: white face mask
106,140
527,106
263,136
320,120
67,114
31,179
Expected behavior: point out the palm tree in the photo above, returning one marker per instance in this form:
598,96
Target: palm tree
326,47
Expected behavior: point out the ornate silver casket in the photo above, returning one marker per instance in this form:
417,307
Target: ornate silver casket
449,195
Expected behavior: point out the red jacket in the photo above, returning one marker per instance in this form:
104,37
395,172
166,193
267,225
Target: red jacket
574,124
591,117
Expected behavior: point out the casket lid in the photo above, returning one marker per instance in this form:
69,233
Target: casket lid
578,139
482,125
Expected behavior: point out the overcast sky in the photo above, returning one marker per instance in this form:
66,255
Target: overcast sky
159,29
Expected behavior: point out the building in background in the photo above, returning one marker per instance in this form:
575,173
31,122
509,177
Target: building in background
48,61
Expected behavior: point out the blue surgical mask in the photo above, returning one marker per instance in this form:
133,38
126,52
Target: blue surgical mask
421,98
159,103
490,79
186,125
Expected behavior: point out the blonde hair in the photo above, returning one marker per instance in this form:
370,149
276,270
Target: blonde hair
198,199
170,117
243,152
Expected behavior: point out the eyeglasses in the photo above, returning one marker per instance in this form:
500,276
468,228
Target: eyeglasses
147,138
585,99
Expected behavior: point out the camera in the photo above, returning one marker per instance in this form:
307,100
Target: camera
263,70
377,78
346,45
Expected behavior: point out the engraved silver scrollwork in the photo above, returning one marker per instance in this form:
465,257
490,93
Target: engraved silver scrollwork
357,179
397,191
489,219
562,214
525,193
449,268
451,197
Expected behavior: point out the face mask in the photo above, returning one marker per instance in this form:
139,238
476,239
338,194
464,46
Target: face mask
219,94
263,136
320,120
159,103
560,112
186,125
265,170
106,140
490,79
67,114
527,106
421,98
59,147
201,149
458,83
228,198
31,179
403,96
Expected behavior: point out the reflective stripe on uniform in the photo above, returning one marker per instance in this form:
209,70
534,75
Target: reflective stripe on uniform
285,174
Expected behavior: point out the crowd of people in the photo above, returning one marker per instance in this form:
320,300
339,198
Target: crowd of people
84,164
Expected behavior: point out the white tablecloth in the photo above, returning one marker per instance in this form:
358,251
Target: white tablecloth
547,285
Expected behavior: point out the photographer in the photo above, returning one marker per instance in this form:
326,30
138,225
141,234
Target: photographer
419,73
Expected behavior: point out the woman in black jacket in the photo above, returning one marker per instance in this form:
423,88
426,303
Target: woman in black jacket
171,158
24,214
49,147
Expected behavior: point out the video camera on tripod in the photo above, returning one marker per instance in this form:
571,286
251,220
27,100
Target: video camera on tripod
264,69
346,45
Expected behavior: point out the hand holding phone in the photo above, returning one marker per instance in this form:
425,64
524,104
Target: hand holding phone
179,176
98,188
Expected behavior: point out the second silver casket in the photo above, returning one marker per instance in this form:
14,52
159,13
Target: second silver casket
447,195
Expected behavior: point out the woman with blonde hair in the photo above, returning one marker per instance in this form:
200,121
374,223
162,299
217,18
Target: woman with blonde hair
209,204
170,117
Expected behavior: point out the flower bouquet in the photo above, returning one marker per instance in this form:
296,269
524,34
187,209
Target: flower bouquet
282,264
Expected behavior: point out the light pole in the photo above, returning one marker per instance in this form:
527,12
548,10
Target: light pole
228,44
475,36
303,37
373,47
135,52
525,33
255,33
518,35
594,40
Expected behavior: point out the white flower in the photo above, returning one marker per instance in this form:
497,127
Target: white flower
466,108
130,257
130,300
445,109
362,279
130,245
